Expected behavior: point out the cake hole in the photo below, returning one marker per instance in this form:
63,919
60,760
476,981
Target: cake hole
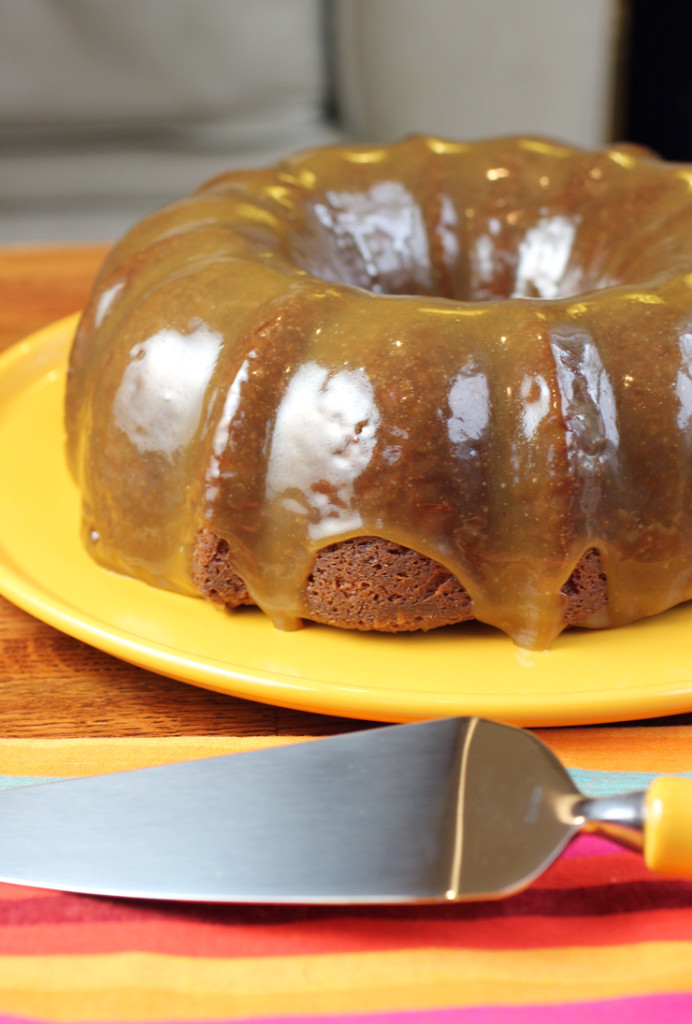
538,241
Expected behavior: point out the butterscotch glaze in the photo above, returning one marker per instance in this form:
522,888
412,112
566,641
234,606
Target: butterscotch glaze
482,352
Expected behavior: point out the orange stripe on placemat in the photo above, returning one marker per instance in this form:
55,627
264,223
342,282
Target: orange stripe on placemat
72,758
144,986
644,748
608,748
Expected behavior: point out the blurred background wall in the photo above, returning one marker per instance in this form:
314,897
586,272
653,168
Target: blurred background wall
469,69
110,108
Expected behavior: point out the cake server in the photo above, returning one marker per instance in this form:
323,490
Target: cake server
451,809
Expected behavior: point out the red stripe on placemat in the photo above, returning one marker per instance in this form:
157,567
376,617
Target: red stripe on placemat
589,916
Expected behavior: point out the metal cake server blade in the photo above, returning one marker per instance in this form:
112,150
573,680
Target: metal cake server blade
457,808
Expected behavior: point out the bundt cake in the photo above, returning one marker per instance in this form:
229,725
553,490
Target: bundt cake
399,387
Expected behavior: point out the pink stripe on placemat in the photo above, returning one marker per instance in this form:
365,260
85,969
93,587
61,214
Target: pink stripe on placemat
675,1008
586,845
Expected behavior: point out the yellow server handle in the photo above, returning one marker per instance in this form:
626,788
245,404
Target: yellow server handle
668,826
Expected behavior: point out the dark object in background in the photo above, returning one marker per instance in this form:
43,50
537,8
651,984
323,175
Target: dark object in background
657,80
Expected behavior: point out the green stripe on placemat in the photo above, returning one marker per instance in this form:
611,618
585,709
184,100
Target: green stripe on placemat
595,783
16,781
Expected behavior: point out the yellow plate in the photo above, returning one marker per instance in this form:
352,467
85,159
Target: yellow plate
642,670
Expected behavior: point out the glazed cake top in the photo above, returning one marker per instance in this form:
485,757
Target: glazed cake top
480,351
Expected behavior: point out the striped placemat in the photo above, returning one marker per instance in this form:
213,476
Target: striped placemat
596,938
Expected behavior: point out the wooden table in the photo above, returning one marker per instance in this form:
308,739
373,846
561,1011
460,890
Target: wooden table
54,686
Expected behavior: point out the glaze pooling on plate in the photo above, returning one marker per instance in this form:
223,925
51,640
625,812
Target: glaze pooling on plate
478,351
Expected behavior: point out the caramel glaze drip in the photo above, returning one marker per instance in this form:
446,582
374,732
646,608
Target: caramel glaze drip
480,351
